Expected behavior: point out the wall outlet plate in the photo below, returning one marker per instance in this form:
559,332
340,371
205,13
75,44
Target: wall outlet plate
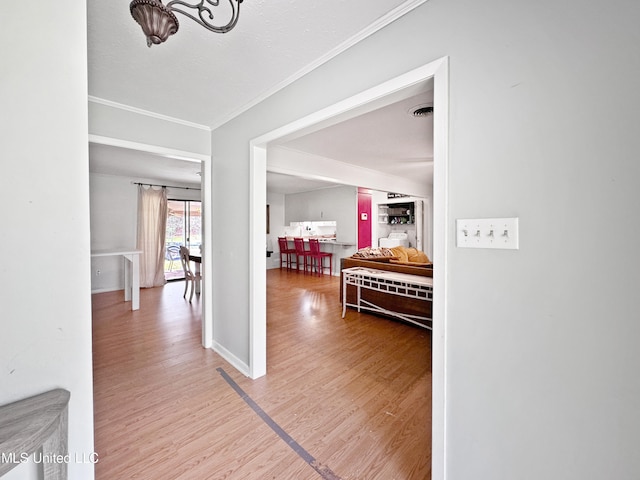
487,233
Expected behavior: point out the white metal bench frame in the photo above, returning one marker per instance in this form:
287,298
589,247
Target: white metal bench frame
393,283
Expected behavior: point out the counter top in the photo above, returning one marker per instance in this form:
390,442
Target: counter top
334,242
319,237
330,240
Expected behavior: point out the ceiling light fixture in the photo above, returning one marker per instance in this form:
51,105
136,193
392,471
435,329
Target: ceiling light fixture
158,21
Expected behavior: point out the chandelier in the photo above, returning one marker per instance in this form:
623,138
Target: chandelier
158,21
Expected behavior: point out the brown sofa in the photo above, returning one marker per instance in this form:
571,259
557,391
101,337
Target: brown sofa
390,302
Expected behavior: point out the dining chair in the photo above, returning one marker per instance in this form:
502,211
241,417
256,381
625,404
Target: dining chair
173,255
317,257
286,253
189,276
301,252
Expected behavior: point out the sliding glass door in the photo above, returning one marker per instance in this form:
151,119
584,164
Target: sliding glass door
184,227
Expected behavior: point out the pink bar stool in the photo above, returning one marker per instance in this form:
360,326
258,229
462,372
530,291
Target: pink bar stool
318,256
286,253
302,253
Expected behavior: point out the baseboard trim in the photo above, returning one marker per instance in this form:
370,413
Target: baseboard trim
105,290
238,364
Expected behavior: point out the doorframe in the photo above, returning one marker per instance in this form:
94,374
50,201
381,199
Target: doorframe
439,71
207,234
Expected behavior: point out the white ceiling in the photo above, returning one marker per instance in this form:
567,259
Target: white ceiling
207,78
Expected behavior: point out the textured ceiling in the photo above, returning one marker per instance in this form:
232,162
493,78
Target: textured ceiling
207,78
388,139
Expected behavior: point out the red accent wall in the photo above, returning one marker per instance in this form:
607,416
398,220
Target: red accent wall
364,225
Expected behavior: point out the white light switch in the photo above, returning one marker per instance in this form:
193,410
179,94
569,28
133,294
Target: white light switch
487,233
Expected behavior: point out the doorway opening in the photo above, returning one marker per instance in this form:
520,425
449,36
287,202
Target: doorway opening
156,154
438,72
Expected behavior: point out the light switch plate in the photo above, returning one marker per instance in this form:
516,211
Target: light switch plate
487,233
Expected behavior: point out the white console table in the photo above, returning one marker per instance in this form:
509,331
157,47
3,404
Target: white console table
391,283
131,272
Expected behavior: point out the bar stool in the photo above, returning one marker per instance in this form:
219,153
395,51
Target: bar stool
286,253
302,253
318,256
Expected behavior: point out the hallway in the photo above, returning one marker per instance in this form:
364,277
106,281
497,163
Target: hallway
355,393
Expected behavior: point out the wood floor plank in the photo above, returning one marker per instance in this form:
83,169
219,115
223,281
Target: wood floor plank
354,392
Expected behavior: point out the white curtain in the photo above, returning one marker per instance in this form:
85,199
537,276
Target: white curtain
152,222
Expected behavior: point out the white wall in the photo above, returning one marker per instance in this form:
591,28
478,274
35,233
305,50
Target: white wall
541,355
337,204
114,213
46,309
114,216
131,125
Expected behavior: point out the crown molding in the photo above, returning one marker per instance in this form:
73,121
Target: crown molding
147,113
382,22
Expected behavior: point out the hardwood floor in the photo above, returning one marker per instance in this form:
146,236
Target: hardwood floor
355,393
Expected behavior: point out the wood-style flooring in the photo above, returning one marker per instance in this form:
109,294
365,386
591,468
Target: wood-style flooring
355,393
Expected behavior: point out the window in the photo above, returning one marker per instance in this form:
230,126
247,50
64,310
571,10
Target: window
184,227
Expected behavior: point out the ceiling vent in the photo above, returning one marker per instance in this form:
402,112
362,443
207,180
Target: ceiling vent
422,111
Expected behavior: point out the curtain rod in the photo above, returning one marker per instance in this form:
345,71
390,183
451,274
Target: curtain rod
165,186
